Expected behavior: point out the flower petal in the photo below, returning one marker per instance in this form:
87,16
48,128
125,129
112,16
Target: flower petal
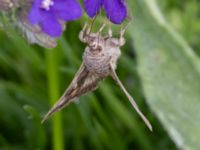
67,9
51,26
92,7
35,14
116,10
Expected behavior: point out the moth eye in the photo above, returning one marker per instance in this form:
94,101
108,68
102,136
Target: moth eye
99,48
90,39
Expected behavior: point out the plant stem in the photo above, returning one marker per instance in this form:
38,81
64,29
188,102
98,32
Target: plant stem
53,87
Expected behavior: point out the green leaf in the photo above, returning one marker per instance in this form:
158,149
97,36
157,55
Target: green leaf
170,74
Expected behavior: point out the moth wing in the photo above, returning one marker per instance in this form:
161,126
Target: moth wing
132,101
83,82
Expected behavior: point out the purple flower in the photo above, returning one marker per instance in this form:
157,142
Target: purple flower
116,10
49,13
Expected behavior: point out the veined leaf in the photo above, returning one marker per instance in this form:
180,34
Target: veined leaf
170,74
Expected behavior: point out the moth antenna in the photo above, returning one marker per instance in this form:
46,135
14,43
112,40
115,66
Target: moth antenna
132,101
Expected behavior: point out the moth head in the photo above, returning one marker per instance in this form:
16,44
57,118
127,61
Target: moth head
94,41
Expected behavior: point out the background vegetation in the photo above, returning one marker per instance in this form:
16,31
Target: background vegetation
160,67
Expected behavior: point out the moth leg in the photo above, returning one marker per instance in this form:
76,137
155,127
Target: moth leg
110,32
122,32
99,34
83,33
121,38
135,106
101,28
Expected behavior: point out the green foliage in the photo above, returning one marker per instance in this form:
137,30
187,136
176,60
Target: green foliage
184,16
169,72
157,66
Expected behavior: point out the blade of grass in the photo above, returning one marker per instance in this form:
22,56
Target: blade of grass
53,85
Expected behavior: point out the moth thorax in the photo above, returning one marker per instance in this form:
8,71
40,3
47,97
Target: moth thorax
97,62
115,53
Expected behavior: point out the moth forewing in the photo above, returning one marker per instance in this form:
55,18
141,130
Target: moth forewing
82,83
132,101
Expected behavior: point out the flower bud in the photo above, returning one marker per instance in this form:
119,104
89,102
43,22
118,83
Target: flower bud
6,5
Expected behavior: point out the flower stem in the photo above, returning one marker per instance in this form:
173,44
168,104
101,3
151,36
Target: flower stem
53,87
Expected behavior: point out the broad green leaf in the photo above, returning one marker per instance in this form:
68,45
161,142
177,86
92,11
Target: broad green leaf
170,74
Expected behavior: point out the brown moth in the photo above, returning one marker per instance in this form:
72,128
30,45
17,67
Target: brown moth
99,61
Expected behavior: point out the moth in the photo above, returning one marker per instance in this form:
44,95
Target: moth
99,61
